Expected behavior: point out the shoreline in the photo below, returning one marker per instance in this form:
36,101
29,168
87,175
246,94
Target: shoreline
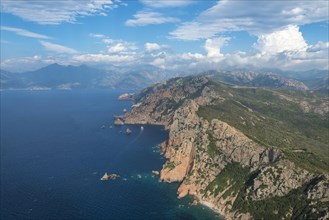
200,201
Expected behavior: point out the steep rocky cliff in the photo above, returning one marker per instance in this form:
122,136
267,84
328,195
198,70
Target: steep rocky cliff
241,175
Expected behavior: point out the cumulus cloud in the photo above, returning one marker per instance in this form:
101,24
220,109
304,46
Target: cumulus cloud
54,12
120,47
289,39
284,48
150,47
254,17
23,32
56,47
212,46
147,17
318,46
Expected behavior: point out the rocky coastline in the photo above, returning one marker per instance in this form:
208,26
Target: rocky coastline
201,154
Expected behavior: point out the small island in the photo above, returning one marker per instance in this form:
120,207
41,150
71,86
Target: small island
128,131
126,96
112,176
118,120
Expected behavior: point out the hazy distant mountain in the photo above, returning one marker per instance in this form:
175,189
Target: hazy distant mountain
255,79
57,76
315,79
9,80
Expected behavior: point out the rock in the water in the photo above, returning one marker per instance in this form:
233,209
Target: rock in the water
105,177
118,121
112,176
126,96
128,131
154,172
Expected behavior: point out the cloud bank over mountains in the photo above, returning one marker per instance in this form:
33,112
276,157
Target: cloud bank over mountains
275,26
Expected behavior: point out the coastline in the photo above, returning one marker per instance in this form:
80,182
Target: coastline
163,149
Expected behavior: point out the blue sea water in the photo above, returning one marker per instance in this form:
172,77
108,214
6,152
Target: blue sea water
54,151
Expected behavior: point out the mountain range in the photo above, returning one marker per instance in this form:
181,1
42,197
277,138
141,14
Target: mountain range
57,76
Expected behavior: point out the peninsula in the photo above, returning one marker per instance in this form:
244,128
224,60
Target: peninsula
249,153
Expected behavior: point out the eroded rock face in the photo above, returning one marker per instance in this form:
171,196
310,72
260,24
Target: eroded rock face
180,149
320,190
278,180
239,148
199,150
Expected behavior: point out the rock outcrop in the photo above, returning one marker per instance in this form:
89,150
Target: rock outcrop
216,162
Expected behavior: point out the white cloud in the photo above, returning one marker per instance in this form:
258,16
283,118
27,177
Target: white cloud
256,17
54,12
119,47
28,63
318,46
148,17
192,56
288,39
159,62
284,48
57,48
23,32
150,47
212,46
166,3
102,58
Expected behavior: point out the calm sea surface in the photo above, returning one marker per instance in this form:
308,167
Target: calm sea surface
54,151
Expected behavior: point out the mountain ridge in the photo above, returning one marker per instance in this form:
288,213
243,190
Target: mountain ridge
266,172
56,76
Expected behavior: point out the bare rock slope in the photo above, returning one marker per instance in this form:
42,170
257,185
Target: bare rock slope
237,174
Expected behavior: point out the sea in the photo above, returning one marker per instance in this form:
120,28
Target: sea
57,144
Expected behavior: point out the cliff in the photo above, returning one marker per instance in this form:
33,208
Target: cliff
241,175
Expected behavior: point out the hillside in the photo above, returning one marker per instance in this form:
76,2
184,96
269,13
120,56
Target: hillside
257,79
248,152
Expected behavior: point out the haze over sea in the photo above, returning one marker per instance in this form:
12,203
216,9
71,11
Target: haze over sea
54,151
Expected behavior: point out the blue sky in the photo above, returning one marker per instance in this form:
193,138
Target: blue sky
175,35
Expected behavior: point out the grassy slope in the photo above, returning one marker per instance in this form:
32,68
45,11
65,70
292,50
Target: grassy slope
273,121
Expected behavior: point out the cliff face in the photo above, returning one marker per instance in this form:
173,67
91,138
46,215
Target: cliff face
219,164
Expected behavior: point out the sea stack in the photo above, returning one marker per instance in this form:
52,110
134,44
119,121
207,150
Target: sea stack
128,131
118,121
105,177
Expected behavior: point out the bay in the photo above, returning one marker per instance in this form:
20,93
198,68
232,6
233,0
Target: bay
54,150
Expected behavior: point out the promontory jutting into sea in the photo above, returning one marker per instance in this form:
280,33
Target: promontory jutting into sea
167,109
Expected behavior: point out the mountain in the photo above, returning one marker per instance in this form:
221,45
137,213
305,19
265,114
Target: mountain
9,79
57,76
249,153
315,79
256,79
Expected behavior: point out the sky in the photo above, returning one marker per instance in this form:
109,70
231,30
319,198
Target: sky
171,35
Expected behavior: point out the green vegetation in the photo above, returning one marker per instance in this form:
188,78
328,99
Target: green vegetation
212,148
294,203
233,175
170,165
274,118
